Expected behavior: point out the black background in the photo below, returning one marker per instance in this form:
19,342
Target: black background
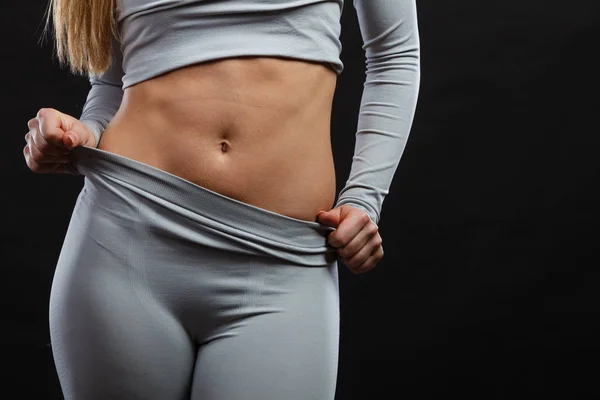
490,283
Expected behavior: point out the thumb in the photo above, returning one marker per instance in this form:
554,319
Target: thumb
71,139
78,136
330,218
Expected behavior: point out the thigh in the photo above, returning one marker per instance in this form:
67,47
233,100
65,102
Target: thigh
287,350
110,338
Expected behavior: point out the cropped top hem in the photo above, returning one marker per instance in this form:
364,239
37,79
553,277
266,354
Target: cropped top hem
192,34
182,59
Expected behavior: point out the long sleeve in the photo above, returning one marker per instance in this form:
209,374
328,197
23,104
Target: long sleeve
105,96
391,42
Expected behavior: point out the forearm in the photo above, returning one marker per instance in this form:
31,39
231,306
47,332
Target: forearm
102,104
391,43
105,96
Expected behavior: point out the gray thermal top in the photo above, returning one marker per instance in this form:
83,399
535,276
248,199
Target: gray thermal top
157,36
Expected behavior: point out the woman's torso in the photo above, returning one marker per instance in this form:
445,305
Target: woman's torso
256,129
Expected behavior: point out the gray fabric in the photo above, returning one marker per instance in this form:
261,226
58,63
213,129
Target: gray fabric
166,290
162,35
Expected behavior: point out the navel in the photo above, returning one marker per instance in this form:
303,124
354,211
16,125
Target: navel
225,147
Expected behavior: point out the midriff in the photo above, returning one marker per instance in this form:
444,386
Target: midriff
255,129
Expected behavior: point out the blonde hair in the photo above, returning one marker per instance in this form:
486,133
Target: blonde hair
83,30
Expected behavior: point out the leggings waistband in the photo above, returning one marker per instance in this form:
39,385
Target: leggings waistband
285,233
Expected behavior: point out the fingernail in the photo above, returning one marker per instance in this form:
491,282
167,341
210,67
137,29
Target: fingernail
71,141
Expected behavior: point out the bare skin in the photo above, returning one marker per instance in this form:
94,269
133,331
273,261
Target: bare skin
256,129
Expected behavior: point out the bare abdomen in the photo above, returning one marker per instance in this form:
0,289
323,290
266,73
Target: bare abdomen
254,129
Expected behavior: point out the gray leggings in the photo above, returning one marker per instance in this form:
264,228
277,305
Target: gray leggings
166,290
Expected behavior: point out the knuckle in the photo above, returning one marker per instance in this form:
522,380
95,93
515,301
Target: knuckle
31,123
378,240
373,228
43,112
365,218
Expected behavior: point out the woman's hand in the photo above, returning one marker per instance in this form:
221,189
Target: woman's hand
356,238
51,137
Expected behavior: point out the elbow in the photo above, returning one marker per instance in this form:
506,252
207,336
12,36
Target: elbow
398,51
407,58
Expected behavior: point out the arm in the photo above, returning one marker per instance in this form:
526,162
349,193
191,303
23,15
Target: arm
391,43
104,98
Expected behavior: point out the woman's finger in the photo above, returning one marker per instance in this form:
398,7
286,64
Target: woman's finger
50,126
35,166
371,262
365,252
348,228
359,241
46,158
44,147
